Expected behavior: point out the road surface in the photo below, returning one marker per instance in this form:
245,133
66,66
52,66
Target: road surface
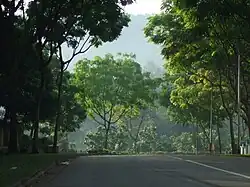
154,171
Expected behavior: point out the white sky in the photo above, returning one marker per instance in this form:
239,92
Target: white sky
144,7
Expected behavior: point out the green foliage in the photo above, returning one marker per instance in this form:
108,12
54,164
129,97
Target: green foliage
32,38
110,87
120,140
201,41
124,85
73,114
148,142
117,140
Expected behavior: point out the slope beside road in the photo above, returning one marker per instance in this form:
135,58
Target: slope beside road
153,171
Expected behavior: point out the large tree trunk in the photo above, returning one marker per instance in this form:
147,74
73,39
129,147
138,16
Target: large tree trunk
12,84
230,116
195,138
234,150
219,137
136,147
106,146
58,115
31,132
206,136
36,124
248,122
13,146
137,136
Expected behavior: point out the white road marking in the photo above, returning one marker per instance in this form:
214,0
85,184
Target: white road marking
219,169
214,168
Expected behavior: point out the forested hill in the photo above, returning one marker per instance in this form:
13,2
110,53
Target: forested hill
132,40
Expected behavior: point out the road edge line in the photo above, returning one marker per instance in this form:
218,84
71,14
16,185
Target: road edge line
211,167
219,169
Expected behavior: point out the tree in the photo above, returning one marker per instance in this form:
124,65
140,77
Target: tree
118,140
148,139
31,39
196,54
82,36
70,23
134,123
109,96
72,113
230,33
34,34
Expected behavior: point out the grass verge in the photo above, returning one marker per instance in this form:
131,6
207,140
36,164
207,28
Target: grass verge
236,155
14,168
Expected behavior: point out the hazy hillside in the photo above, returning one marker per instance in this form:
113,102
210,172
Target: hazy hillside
132,40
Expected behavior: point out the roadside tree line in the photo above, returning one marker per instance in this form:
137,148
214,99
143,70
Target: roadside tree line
35,87
201,44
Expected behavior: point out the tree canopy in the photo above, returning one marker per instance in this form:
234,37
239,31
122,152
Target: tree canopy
201,42
35,88
111,86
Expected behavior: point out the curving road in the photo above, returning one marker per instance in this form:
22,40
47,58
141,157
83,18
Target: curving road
154,171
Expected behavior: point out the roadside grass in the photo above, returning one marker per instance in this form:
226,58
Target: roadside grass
214,154
14,168
237,155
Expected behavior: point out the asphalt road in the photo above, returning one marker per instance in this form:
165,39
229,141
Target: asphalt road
154,171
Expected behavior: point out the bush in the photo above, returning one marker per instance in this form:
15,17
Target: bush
160,152
125,153
99,152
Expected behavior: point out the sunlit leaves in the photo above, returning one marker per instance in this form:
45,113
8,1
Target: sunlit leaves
110,86
191,58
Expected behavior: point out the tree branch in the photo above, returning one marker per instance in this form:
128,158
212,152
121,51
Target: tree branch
124,111
80,51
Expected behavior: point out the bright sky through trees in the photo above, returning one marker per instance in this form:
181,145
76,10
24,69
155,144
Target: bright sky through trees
144,7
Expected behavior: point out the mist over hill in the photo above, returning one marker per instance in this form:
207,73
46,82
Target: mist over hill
132,40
